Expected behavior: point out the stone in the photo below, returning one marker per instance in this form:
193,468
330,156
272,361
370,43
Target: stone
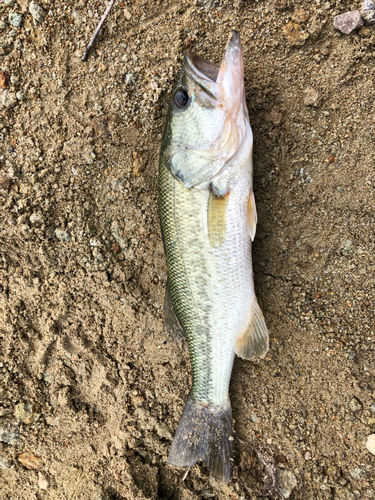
62,235
355,405
42,482
4,77
77,19
9,99
357,473
24,413
348,22
294,34
4,463
285,482
368,11
36,218
127,15
23,4
370,443
15,19
9,434
37,12
29,461
311,97
9,3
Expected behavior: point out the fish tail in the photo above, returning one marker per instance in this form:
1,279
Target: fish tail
204,432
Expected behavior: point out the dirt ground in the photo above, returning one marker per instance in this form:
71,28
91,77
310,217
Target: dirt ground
91,387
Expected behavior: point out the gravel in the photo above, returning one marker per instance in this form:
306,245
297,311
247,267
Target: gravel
348,22
15,19
37,12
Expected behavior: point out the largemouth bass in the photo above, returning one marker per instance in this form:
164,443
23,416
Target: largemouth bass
208,220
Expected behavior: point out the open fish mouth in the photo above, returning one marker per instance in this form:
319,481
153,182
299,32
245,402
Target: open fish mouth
201,67
224,82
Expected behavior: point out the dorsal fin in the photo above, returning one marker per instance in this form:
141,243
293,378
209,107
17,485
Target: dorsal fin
253,343
216,218
251,215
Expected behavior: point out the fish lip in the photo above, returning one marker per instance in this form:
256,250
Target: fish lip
233,42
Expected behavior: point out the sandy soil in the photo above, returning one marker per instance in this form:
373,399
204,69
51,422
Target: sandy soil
91,387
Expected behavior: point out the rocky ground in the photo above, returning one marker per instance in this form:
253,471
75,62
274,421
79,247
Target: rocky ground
91,387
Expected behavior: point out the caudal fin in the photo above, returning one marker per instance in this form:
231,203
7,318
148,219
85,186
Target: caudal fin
204,432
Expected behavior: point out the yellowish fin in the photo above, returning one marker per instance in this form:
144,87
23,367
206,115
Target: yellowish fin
253,343
216,219
252,217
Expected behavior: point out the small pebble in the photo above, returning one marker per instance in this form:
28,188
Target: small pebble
348,22
311,98
29,460
127,14
36,218
15,19
62,235
95,242
4,463
37,12
24,413
9,99
77,18
370,443
354,405
3,26
294,35
9,434
42,482
20,96
129,78
9,3
357,473
368,11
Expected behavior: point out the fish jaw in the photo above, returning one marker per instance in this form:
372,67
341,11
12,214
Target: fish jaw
231,75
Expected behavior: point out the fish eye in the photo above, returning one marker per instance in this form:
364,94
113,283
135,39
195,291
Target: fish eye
181,98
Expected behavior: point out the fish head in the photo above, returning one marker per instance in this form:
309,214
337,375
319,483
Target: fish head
207,119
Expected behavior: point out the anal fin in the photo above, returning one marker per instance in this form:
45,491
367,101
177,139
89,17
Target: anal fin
253,343
171,322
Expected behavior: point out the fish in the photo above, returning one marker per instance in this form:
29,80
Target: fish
208,221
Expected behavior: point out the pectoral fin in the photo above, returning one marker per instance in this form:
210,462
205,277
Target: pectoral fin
253,343
251,215
216,219
172,325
